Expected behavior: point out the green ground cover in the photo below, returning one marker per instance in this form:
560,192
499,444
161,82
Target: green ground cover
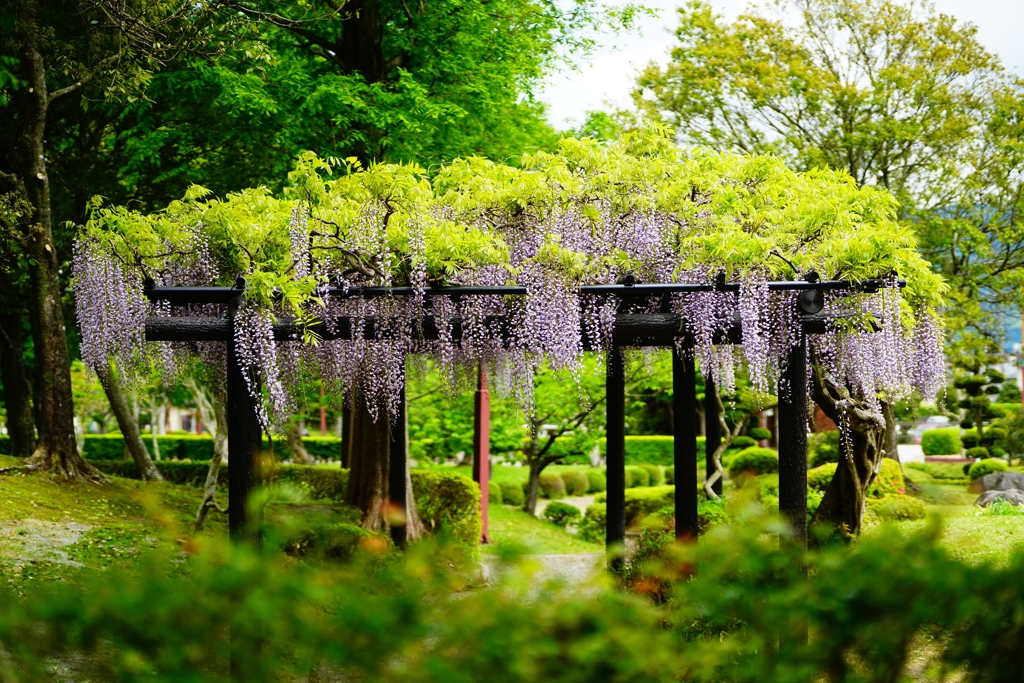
510,526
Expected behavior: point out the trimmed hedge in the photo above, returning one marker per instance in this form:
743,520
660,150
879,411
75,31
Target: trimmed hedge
670,475
592,527
494,493
576,482
759,433
597,481
819,478
743,442
560,513
446,501
888,481
656,474
551,485
512,493
199,447
641,502
636,477
897,508
987,466
942,441
651,450
754,460
978,453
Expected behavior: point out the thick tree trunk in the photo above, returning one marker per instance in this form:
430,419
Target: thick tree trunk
295,446
861,449
128,424
17,390
56,449
219,430
370,444
889,443
533,488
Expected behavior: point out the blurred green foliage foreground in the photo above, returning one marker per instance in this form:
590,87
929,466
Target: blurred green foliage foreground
737,607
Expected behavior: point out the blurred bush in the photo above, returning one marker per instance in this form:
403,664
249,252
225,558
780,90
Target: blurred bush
651,450
823,448
637,476
512,493
561,513
942,441
494,493
987,466
596,481
551,485
753,461
576,482
897,508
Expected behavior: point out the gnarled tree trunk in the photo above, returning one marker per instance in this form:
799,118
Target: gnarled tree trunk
860,455
128,423
370,444
295,446
214,407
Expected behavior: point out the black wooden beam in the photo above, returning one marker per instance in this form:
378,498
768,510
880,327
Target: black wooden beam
792,425
684,429
615,461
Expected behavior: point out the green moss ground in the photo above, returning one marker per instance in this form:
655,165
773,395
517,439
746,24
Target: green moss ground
511,526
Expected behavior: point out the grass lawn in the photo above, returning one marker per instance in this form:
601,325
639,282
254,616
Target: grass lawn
511,526
522,474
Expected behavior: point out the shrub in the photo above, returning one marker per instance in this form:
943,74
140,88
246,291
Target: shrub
181,473
576,482
823,447
335,542
494,493
561,514
651,450
656,474
818,478
969,438
978,453
637,477
888,481
987,466
742,442
512,493
759,433
940,470
943,441
551,485
642,502
324,483
754,460
997,452
592,527
446,501
1000,507
597,481
670,474
897,508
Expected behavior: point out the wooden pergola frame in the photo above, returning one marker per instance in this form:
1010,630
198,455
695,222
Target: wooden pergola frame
662,329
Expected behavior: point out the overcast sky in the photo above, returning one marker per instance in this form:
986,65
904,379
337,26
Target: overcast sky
610,74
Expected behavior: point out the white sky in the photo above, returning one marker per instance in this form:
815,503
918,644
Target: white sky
610,74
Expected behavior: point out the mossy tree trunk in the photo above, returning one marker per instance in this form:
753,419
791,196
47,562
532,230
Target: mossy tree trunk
860,453
369,460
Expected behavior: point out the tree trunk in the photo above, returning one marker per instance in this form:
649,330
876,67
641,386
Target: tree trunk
370,444
17,390
154,413
860,455
533,488
890,445
295,446
128,424
56,449
219,429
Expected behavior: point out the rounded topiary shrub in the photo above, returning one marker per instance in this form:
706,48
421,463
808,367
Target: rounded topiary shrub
561,514
597,481
655,474
592,527
512,493
551,485
494,492
819,478
987,466
823,447
670,474
637,477
759,433
978,453
897,508
752,461
742,442
943,441
888,481
969,438
997,452
576,482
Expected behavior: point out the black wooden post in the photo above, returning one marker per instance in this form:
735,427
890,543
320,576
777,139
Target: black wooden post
244,436
397,465
615,429
684,427
792,427
712,430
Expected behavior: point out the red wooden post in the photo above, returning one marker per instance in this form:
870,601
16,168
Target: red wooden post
482,444
323,412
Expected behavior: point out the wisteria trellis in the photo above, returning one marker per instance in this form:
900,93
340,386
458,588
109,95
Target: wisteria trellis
590,214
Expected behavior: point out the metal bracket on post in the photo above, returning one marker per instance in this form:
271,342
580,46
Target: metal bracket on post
615,461
397,464
684,427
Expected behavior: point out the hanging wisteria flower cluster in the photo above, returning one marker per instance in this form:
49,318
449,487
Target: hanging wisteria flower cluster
639,210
